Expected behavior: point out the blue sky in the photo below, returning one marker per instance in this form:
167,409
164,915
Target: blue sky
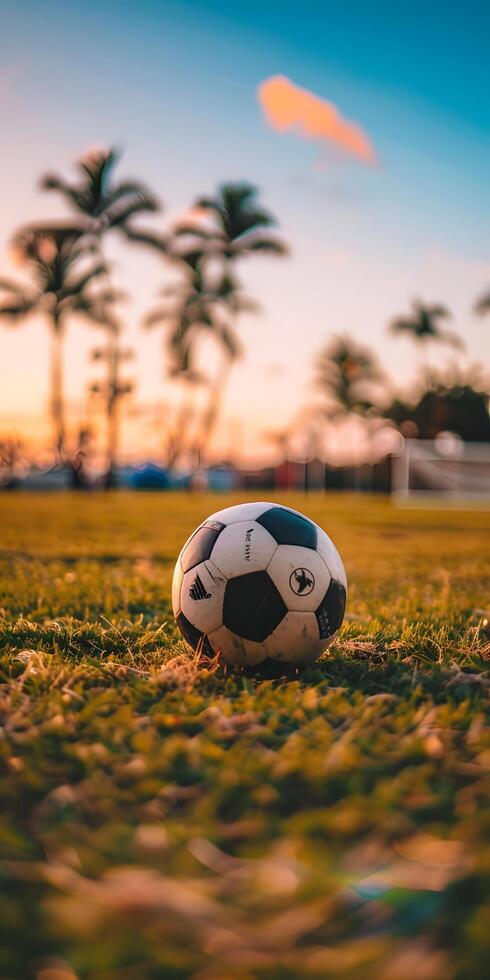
175,84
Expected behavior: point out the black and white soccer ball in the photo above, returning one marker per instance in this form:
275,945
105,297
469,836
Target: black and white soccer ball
259,580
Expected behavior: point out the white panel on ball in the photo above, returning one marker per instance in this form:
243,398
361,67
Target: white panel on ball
300,575
243,547
331,557
235,650
176,586
296,640
241,512
201,596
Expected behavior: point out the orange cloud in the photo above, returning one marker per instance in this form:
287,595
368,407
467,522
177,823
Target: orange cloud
287,106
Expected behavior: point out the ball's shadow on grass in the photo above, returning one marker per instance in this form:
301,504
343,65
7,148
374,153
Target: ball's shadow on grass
338,670
375,673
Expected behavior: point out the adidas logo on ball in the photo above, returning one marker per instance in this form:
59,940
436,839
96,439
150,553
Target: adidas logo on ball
197,590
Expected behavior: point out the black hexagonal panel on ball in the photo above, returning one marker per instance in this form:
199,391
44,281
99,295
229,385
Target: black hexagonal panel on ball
193,636
201,544
288,528
252,606
330,612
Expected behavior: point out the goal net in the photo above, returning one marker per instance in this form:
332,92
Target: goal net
441,468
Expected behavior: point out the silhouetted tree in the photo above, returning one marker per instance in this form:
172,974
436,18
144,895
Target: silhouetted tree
346,373
456,404
235,226
186,308
112,389
11,454
482,306
198,304
60,287
227,302
423,325
107,205
349,376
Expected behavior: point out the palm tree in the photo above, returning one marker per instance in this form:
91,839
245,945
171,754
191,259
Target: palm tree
228,301
186,307
107,206
346,372
454,401
60,288
190,308
422,324
349,374
112,390
482,306
237,228
237,224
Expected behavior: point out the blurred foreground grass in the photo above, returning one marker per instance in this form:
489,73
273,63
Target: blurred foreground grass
158,819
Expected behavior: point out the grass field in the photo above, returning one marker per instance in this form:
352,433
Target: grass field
162,820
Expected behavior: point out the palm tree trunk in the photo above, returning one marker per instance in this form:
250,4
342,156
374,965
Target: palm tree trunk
177,444
215,402
216,390
113,417
421,362
112,389
56,383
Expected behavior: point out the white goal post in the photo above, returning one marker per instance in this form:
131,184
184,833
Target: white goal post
442,468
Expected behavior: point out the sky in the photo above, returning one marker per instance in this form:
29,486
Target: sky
366,126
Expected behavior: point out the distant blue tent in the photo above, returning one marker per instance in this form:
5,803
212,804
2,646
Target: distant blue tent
221,478
150,477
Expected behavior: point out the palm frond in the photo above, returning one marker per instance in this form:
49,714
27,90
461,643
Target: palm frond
131,189
78,285
158,315
438,311
453,339
96,167
11,286
96,311
245,304
482,306
208,204
401,325
47,244
229,341
192,257
18,308
52,182
423,323
112,296
118,213
188,229
250,243
157,242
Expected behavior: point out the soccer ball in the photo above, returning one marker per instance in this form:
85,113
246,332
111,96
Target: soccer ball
259,580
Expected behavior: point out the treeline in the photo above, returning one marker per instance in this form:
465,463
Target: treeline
446,399
68,274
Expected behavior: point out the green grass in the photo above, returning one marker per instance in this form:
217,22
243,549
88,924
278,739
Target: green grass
159,819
